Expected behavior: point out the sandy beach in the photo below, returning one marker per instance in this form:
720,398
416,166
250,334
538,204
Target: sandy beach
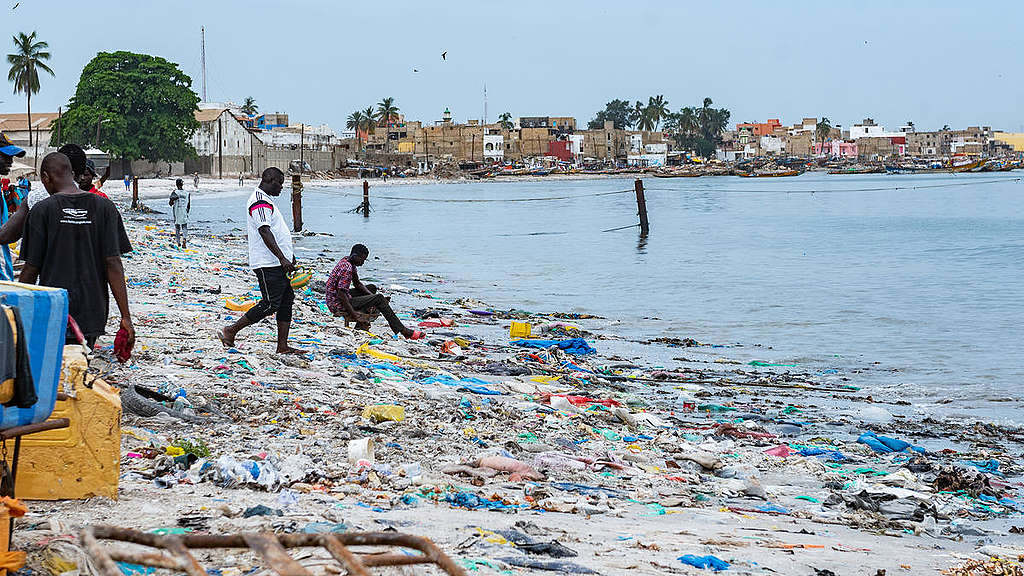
629,467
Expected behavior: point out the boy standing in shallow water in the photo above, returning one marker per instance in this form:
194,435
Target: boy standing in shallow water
181,205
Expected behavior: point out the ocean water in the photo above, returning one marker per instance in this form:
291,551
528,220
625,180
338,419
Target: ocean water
909,285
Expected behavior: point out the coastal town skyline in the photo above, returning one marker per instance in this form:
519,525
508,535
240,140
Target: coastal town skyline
839,75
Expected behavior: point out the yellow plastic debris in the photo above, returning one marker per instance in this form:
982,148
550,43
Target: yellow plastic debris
520,330
384,412
174,451
492,537
367,350
239,306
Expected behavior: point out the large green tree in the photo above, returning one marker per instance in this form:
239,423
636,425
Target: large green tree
145,103
698,128
617,111
26,62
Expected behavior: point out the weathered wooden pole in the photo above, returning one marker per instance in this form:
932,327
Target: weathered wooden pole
366,199
641,207
297,202
220,148
135,193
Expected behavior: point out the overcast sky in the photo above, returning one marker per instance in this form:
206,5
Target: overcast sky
931,62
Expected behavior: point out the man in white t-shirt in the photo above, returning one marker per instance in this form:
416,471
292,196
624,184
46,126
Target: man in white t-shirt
271,258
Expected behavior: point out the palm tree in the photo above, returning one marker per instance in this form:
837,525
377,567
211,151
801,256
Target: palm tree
249,107
689,125
355,122
635,114
369,121
712,122
25,63
657,107
506,121
646,120
386,113
822,131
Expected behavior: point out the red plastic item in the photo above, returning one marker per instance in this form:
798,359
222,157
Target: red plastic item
121,348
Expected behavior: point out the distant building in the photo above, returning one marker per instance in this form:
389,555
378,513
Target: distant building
805,125
772,145
561,123
872,148
312,137
868,129
973,141
270,121
561,149
494,147
16,127
1013,139
224,145
928,144
759,128
655,154
836,149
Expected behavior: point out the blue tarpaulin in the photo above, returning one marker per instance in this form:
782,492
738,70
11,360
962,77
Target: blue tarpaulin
577,346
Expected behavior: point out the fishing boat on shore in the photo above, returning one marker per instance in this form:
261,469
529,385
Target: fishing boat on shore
686,173
973,166
858,169
769,173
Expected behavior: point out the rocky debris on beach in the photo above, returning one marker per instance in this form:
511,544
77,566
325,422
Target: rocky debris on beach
528,457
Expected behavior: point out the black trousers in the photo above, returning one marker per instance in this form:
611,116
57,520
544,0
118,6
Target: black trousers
378,301
277,296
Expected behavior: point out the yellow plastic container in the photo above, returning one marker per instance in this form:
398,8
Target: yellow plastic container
520,330
82,460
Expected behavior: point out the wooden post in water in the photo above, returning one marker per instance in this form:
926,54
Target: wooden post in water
135,193
366,199
641,207
297,202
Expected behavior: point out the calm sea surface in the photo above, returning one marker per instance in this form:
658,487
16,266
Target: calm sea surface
925,280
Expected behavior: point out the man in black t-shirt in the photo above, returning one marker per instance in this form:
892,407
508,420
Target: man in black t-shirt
74,240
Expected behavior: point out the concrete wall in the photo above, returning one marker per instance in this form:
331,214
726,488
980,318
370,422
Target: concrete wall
317,159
